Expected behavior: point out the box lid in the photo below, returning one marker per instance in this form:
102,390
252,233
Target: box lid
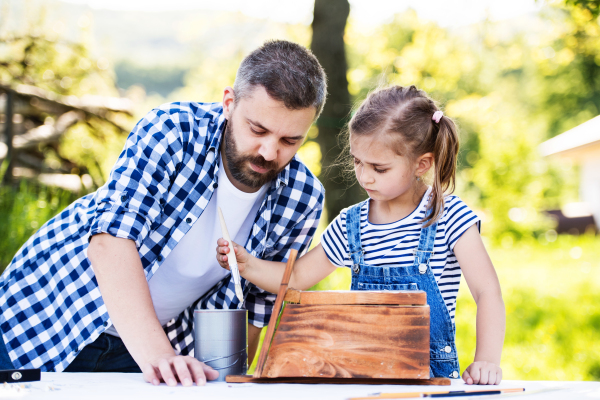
348,297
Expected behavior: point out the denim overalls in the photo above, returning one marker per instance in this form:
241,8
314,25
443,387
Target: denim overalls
418,276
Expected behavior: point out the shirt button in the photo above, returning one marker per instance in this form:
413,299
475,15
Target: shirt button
216,185
188,220
159,258
454,374
105,323
447,349
124,197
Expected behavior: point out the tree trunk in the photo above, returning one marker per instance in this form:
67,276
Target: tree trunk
329,23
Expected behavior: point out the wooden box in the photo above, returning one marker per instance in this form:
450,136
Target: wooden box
351,334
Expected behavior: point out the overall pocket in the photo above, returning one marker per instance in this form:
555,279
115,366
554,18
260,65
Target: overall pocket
378,286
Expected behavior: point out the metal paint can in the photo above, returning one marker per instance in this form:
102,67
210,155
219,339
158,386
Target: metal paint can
221,340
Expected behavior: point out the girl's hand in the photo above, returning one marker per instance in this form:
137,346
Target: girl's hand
241,255
482,373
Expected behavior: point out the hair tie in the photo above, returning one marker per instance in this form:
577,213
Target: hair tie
437,116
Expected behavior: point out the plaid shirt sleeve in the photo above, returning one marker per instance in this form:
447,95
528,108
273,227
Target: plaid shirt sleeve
132,199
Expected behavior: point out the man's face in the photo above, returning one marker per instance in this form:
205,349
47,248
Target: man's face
261,137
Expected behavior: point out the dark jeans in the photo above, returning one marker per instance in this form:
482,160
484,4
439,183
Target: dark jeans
106,354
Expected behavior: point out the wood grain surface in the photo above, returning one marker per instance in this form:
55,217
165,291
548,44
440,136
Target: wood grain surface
275,314
400,297
350,341
339,381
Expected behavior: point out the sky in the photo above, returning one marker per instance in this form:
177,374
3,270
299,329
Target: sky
447,13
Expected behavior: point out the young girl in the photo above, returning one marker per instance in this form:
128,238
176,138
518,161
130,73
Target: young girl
407,235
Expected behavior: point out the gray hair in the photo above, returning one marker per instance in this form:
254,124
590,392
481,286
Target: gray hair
289,73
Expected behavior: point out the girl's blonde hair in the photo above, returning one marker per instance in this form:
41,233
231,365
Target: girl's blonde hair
406,115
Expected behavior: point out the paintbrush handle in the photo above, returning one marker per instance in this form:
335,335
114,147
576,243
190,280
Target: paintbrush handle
463,394
445,393
407,395
231,259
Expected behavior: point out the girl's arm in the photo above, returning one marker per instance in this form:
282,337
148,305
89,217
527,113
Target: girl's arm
308,270
491,319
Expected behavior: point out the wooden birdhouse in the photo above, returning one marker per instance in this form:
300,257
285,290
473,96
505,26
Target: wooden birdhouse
346,337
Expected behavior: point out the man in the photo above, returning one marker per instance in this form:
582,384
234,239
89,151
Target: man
110,284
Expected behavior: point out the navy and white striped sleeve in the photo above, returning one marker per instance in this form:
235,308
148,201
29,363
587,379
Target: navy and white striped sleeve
458,217
335,240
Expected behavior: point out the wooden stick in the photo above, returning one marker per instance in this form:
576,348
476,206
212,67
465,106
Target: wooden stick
275,314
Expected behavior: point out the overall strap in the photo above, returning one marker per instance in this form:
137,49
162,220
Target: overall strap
425,250
353,233
443,358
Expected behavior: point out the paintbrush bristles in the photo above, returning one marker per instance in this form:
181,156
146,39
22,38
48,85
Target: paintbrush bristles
239,294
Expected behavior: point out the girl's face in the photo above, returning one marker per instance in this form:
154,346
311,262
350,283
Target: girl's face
384,174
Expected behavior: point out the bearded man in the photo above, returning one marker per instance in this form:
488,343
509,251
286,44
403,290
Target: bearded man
110,284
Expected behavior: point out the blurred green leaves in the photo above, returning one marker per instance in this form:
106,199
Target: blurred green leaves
23,210
36,56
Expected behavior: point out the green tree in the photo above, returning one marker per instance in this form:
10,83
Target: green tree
569,66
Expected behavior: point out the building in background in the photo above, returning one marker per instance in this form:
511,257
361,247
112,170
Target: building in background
580,145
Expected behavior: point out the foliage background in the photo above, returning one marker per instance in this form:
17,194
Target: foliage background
510,85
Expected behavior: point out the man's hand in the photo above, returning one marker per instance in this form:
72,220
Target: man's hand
241,255
120,275
171,368
482,373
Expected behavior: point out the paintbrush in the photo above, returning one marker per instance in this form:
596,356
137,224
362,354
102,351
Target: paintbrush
445,393
231,260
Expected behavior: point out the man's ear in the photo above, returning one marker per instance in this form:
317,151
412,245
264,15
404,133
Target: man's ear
228,101
424,164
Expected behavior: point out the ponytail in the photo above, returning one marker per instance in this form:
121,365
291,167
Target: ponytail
445,152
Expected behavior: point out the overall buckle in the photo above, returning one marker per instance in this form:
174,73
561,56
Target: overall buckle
423,266
356,266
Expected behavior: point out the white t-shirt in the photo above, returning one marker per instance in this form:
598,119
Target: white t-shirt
392,244
191,269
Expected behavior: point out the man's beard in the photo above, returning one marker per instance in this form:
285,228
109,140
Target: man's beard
238,164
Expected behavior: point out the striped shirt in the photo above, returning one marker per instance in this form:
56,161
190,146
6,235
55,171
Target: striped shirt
393,243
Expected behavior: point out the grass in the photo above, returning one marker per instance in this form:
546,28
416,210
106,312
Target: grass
550,290
23,210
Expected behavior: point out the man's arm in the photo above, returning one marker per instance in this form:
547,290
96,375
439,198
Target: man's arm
125,292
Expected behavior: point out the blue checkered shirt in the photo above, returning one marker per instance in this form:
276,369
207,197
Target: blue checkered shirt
50,304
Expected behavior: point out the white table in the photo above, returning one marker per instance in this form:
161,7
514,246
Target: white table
105,386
